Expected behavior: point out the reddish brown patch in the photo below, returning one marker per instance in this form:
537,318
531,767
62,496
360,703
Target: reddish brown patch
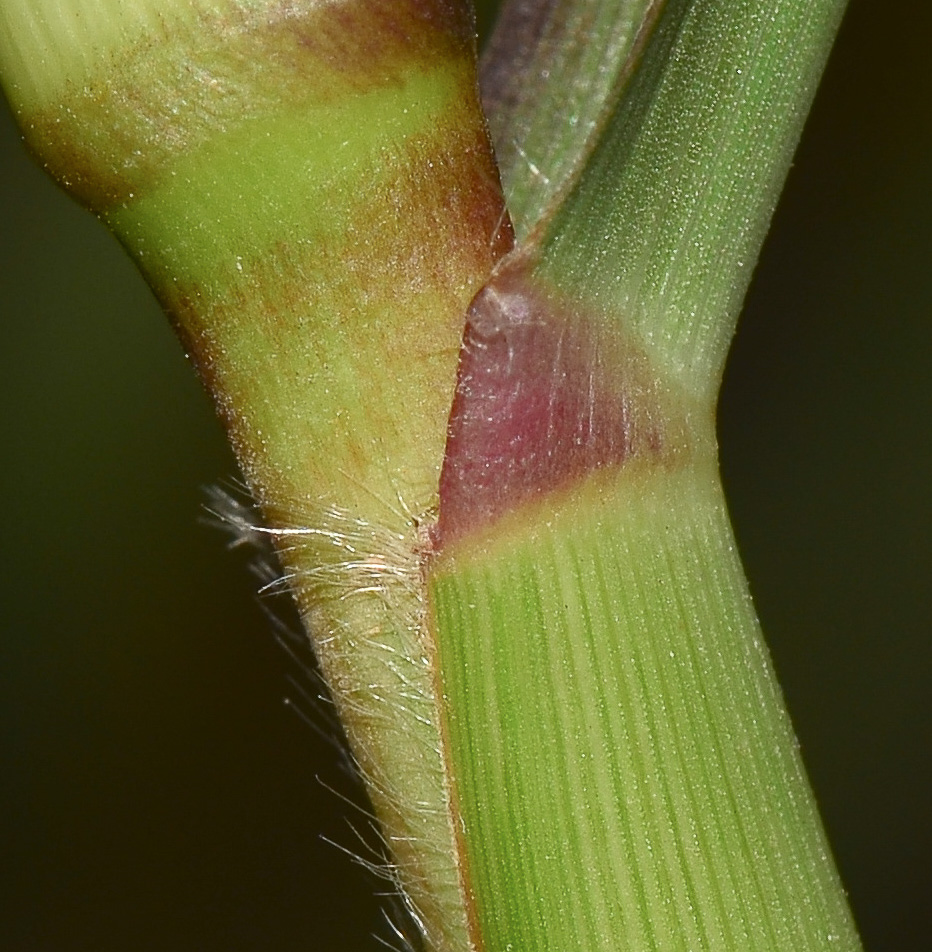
449,198
362,37
540,403
117,133
433,220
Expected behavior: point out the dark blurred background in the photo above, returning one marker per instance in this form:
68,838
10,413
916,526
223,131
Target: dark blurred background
156,793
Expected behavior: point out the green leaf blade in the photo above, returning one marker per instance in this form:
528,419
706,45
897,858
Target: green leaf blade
309,188
551,74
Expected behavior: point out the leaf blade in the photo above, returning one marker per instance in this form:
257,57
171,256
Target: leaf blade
550,75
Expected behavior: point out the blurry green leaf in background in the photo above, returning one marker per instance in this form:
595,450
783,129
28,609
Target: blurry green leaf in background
155,792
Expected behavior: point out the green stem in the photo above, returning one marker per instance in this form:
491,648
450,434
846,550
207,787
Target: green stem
667,220
626,773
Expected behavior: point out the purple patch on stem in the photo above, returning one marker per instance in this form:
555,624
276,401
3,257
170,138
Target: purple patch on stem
535,408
